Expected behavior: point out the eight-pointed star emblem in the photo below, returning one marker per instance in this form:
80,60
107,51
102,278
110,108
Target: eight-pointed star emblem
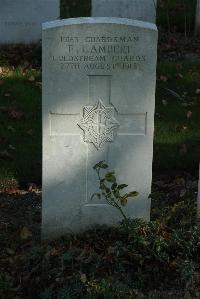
98,124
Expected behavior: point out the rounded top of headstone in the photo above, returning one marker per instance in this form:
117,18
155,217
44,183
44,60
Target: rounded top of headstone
98,20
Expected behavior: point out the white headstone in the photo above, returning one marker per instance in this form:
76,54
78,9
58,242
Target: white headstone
21,20
99,79
143,10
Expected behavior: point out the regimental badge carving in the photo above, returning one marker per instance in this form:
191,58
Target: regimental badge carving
98,124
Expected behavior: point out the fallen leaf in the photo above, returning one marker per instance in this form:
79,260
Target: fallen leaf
184,104
30,132
164,102
10,128
31,78
54,252
180,181
197,91
32,187
7,95
179,76
6,70
10,251
189,114
38,84
5,154
163,78
4,109
25,233
11,147
83,278
183,192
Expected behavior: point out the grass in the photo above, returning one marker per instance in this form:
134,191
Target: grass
120,262
177,122
176,142
20,126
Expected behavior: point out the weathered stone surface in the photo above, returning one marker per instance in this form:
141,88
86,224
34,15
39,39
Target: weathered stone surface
21,20
99,79
143,10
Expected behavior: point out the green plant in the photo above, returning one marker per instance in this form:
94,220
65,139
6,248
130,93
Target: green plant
110,189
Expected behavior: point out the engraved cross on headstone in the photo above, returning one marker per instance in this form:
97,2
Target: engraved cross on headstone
125,124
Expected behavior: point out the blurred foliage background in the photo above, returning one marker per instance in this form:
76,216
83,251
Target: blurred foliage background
172,15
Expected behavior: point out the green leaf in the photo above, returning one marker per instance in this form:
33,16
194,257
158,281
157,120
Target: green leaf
101,164
104,166
114,186
123,201
108,190
116,194
102,186
110,177
132,194
122,186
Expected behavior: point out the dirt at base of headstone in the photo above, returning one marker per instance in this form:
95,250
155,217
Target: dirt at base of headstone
20,215
20,228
